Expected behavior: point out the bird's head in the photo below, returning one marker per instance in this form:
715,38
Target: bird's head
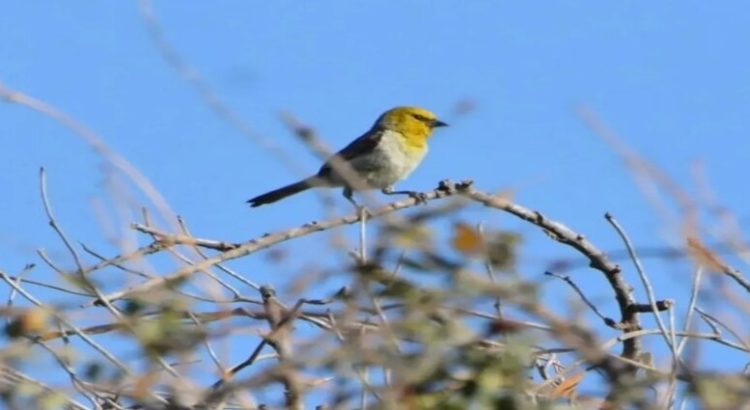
416,124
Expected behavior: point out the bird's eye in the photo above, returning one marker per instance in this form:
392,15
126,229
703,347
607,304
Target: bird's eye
420,117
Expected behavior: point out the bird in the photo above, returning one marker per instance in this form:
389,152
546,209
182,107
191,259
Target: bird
387,153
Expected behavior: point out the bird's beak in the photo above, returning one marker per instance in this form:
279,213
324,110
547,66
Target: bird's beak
438,123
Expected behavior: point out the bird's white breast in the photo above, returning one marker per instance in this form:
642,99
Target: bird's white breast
391,160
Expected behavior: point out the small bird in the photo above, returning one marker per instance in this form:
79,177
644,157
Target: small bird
384,155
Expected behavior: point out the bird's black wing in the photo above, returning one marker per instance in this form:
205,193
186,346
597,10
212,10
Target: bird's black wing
360,146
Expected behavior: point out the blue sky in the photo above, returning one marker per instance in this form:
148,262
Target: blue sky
671,78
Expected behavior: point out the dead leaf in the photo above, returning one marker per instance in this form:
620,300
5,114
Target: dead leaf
704,256
467,239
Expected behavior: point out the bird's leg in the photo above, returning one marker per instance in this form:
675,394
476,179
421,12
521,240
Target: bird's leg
420,197
349,195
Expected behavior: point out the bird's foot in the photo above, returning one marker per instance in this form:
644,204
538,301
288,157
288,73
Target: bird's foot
419,197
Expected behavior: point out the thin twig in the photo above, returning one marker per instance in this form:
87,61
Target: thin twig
206,93
646,283
691,306
713,319
56,227
565,278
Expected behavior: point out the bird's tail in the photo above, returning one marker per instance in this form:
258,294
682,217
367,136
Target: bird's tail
283,192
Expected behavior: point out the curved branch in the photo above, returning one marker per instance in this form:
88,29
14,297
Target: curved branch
598,260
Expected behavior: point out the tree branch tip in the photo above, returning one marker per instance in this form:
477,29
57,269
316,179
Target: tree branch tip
267,290
661,305
666,304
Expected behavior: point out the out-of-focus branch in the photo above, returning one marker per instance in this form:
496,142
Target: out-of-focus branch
280,321
598,259
167,239
446,188
77,330
206,93
414,314
11,378
709,259
97,144
647,174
